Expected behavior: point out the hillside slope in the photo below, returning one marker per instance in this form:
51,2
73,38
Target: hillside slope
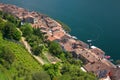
24,64
17,64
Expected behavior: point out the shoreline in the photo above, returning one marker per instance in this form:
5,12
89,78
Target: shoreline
53,29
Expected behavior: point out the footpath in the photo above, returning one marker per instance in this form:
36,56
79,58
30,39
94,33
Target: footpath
27,46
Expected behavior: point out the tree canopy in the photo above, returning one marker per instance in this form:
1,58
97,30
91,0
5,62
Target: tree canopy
40,76
9,31
26,29
55,48
6,56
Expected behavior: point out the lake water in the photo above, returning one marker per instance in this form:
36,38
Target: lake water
98,20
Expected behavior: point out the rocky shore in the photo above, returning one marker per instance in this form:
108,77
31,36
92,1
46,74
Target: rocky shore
94,58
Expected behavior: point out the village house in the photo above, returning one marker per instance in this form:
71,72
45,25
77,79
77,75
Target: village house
98,52
115,73
30,19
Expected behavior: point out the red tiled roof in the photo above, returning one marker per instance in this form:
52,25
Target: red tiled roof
98,52
96,66
115,74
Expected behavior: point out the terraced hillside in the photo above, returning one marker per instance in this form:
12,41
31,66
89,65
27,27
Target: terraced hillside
23,66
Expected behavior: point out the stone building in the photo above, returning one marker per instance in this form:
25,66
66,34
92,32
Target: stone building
30,19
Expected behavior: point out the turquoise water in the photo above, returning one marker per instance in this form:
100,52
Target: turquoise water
98,20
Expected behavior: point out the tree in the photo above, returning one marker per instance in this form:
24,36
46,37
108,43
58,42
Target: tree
38,33
41,76
52,69
10,18
10,31
27,29
55,48
17,35
64,77
2,23
37,50
33,40
75,72
7,55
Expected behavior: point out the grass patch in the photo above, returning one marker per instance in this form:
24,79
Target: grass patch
24,64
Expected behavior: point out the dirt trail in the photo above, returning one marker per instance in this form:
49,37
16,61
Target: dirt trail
27,46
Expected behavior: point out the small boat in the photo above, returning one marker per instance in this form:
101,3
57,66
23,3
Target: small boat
107,57
74,37
89,40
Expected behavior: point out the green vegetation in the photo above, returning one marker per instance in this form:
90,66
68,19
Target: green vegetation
6,57
9,30
53,70
20,63
41,76
55,48
34,37
26,29
10,18
17,64
60,71
75,73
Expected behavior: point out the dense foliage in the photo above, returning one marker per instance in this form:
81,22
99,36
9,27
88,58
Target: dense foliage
10,18
55,48
8,28
75,73
15,62
6,56
26,29
52,69
40,76
34,37
10,32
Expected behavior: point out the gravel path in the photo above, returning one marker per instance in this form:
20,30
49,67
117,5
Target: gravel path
27,46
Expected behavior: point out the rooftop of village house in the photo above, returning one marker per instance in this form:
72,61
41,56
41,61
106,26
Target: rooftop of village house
87,55
67,46
96,66
75,43
115,74
55,35
98,52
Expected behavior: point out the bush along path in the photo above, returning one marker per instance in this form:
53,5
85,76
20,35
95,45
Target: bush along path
27,46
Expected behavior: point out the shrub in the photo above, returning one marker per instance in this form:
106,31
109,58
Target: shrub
55,48
10,31
7,55
41,76
26,29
